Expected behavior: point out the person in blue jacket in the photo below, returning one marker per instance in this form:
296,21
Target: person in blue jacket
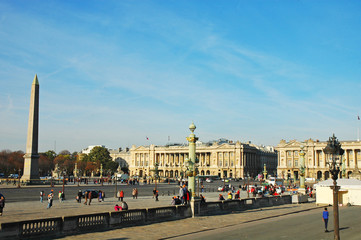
325,218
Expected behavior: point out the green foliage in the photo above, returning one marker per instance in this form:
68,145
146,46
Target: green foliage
64,152
111,166
99,154
50,154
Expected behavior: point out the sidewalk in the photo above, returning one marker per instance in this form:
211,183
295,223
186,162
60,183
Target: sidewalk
182,229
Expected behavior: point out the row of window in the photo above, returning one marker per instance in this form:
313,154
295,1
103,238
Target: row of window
320,153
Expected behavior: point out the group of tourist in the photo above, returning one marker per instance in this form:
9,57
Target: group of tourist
176,200
184,194
89,195
123,206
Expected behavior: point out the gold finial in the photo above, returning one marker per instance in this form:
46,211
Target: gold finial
36,81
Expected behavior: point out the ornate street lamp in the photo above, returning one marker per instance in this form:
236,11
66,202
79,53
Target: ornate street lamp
156,171
302,170
264,172
333,153
247,184
192,160
101,174
63,173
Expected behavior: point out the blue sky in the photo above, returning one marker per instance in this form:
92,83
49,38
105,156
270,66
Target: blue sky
116,72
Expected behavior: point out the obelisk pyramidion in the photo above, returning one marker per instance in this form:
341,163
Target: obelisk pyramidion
31,157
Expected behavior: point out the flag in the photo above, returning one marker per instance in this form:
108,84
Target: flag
147,138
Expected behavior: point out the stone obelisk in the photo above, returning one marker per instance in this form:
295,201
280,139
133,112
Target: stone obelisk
31,157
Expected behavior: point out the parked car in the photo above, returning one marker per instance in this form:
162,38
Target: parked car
95,193
208,180
223,188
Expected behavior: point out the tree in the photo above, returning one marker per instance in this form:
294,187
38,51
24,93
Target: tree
99,154
16,160
64,152
50,154
46,164
11,162
65,163
111,166
90,167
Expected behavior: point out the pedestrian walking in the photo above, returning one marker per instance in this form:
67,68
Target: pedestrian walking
135,193
86,197
121,195
103,196
50,199
60,197
2,204
99,196
80,195
90,197
42,196
325,218
156,195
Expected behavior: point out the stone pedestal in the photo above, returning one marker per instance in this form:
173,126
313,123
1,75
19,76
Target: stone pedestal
195,206
302,191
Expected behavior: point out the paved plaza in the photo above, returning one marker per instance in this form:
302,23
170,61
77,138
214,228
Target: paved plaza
291,221
279,222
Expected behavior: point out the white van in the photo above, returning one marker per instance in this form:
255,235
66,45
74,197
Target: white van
275,181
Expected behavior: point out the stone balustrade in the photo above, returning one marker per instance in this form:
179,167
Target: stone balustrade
110,220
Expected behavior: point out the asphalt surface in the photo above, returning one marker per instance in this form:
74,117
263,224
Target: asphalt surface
32,193
304,225
291,221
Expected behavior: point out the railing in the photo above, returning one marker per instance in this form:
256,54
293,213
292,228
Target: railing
110,220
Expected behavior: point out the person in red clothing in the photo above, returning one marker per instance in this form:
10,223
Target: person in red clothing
120,195
117,208
237,195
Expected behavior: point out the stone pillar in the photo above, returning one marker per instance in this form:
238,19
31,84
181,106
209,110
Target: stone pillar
302,171
31,157
355,158
192,161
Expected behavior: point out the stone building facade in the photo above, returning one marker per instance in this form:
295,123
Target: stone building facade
315,159
224,159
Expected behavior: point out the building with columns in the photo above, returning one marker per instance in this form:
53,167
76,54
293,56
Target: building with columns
221,158
315,161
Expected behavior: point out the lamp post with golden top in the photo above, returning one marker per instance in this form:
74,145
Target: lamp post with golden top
191,163
334,154
264,172
302,154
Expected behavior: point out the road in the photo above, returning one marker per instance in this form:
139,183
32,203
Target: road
31,193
